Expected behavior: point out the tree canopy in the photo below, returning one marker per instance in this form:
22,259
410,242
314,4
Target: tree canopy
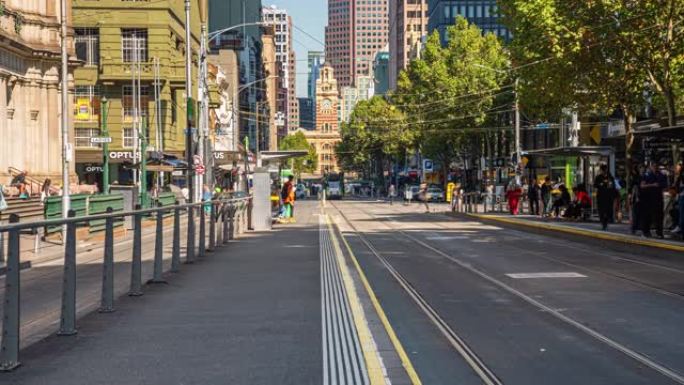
303,164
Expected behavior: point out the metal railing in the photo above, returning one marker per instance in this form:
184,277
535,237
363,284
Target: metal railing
227,218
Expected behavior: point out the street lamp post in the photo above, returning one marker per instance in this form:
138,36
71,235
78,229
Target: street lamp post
105,147
66,148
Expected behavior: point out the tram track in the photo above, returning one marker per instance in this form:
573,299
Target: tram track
641,358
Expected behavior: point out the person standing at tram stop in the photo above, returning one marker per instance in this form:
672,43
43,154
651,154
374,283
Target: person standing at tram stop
288,196
606,193
652,185
679,190
424,196
513,194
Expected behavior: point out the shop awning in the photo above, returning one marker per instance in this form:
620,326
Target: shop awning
654,130
282,155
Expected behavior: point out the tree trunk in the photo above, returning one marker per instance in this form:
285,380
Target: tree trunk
671,107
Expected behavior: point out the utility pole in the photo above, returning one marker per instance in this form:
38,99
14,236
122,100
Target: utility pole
203,108
66,147
518,150
105,147
189,105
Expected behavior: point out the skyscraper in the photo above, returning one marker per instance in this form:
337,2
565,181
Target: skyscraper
483,13
408,25
315,62
285,57
356,31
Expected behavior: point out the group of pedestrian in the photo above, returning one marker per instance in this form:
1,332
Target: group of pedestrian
648,189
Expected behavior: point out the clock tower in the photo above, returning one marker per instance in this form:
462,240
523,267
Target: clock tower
326,135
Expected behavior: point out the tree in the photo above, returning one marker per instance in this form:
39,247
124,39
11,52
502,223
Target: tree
449,93
376,133
302,164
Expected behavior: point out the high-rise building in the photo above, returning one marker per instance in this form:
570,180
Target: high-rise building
356,31
306,114
246,40
285,56
483,13
381,72
408,24
315,62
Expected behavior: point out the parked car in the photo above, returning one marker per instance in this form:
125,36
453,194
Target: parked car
412,193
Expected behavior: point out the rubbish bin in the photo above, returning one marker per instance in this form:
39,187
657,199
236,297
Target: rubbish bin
130,199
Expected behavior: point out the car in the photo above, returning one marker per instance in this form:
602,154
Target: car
300,191
435,194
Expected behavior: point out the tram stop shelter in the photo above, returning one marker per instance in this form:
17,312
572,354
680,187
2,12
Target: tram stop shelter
577,164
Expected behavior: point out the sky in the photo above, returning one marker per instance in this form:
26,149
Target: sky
311,17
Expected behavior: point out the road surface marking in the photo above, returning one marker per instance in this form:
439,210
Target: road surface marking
377,374
569,274
405,361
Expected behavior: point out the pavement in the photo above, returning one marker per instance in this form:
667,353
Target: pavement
248,313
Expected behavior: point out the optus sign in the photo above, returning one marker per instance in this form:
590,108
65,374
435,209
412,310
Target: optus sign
128,155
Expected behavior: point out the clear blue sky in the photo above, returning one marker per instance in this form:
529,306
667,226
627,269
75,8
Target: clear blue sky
309,16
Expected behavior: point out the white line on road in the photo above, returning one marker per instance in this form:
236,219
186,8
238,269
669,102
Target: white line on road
569,274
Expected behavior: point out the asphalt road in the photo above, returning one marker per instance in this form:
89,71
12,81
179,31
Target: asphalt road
524,309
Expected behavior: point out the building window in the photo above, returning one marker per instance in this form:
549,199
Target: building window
128,138
87,103
134,45
87,41
128,105
82,137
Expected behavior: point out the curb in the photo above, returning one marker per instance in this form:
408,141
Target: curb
583,233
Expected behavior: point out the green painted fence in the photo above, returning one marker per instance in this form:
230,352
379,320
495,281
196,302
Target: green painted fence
53,209
98,204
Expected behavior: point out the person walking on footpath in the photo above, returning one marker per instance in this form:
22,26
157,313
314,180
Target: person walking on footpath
424,196
679,190
652,184
513,194
391,192
534,196
605,195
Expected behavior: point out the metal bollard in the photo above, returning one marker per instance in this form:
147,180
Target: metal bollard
202,233
477,204
226,223
220,224
175,248
67,321
107,302
212,227
190,246
9,351
250,207
2,247
231,221
136,261
159,250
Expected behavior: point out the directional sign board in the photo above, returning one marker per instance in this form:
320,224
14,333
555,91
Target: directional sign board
104,139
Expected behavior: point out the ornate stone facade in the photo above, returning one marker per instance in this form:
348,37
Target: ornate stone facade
326,135
30,101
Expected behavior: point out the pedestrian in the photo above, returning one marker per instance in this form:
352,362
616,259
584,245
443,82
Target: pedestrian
679,190
19,182
634,198
604,183
288,196
45,190
561,199
534,196
391,192
652,184
545,192
423,195
513,194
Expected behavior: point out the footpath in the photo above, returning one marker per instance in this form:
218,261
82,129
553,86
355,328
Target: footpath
248,313
618,234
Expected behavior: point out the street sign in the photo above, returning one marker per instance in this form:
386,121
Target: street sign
104,139
427,165
199,170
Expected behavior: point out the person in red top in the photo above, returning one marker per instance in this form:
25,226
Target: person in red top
582,201
513,194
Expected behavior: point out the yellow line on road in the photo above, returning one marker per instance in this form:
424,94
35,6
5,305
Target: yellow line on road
406,362
584,233
376,371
